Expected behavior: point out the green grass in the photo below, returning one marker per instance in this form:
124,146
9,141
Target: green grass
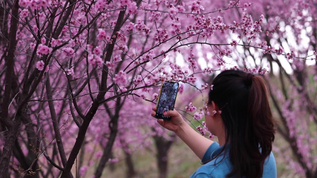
183,163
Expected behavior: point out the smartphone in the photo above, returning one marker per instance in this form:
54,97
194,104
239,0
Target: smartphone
167,98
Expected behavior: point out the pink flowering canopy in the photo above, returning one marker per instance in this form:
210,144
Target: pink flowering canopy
80,77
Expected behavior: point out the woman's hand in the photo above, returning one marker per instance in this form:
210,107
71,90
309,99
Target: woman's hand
174,123
198,143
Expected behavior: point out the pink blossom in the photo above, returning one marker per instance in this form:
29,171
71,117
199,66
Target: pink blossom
55,42
69,71
98,154
24,3
142,95
123,47
180,8
21,43
205,110
91,60
211,87
190,107
81,19
155,96
101,35
154,16
147,57
132,8
140,26
97,51
65,29
98,61
43,40
100,5
124,2
247,4
137,80
172,12
24,13
90,48
69,52
72,43
83,170
161,35
113,160
121,37
110,65
208,70
40,65
95,60
129,27
233,43
204,86
33,5
201,130
120,78
181,89
43,49
43,3
35,29
196,7
191,79
113,23
198,116
117,59
210,136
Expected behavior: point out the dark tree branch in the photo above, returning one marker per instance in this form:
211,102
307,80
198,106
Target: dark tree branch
95,104
13,126
55,123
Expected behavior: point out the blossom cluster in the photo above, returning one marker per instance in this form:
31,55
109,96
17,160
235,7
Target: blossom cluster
190,107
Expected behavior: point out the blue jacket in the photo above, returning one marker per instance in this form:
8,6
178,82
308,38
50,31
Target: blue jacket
221,166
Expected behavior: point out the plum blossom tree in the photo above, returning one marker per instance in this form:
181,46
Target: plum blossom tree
76,75
289,42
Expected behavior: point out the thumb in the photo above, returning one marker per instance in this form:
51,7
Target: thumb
160,121
170,113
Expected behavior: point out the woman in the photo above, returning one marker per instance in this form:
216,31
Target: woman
238,113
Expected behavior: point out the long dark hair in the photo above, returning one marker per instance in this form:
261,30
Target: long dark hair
246,114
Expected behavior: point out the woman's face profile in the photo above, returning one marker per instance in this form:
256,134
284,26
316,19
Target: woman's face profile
209,118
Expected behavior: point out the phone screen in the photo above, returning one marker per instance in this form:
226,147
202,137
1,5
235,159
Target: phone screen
167,99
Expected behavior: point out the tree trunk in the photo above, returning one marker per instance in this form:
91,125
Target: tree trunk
5,119
130,166
107,152
10,139
162,145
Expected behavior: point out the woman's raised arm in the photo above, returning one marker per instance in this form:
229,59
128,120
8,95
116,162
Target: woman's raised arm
198,143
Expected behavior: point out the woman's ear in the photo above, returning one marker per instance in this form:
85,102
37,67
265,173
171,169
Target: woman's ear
214,106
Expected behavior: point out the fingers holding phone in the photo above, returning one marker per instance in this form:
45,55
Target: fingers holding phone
164,110
167,98
173,123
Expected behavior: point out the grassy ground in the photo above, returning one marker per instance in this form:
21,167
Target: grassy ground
183,162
